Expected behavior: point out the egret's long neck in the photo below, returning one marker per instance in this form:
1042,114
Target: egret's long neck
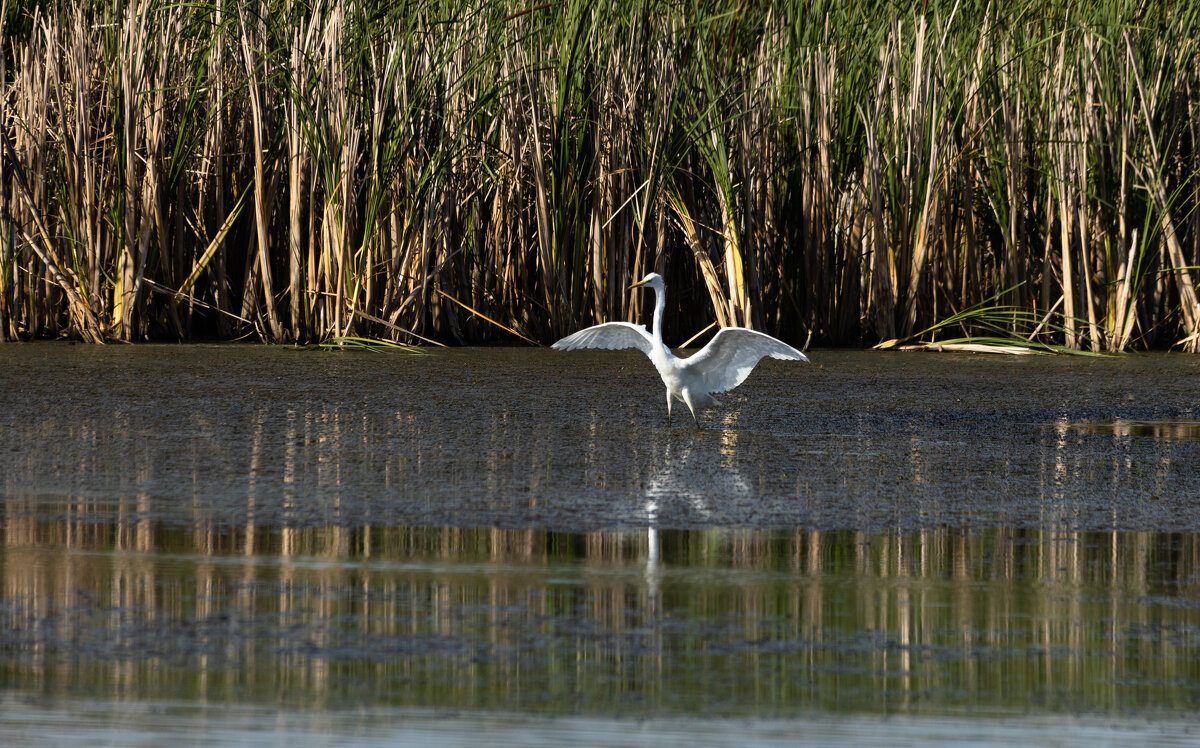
660,303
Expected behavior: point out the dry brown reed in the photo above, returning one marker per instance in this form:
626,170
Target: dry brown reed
302,171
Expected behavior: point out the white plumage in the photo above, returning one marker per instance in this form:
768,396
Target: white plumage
717,367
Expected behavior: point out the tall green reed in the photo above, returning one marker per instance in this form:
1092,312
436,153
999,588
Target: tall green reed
845,173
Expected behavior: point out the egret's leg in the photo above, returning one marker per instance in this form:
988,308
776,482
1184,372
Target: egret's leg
687,400
668,407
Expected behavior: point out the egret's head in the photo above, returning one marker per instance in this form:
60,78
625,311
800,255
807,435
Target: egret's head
654,280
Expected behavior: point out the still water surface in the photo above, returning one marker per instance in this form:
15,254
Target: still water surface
249,543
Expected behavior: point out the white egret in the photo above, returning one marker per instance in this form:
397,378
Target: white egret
717,367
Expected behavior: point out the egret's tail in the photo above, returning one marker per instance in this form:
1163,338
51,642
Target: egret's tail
702,399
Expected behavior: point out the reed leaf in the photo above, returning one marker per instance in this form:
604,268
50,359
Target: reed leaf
374,345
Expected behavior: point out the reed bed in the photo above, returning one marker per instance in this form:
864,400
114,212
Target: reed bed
845,173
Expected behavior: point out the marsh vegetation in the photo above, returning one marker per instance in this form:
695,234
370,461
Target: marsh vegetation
845,173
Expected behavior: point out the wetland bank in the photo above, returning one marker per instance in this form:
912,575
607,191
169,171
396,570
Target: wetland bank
472,533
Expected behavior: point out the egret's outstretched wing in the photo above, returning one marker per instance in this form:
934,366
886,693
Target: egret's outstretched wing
733,353
611,336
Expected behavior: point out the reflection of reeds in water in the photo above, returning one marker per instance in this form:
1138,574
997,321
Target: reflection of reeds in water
492,617
313,170
1173,430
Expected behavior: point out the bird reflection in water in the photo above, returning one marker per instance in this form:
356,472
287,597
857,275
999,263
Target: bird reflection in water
691,479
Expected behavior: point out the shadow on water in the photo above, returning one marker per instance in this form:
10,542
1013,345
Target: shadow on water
518,531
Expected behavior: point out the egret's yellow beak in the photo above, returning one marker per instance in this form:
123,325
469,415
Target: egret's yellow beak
639,283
